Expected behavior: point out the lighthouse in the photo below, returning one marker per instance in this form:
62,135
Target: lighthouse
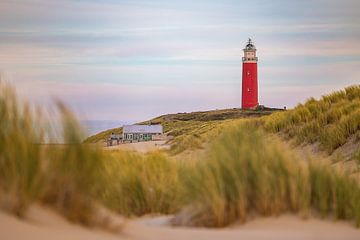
249,99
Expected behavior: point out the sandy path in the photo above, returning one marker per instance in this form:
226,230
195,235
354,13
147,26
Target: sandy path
45,224
142,147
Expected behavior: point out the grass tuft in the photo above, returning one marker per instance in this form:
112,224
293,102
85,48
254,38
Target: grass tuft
20,152
142,184
330,121
74,174
247,173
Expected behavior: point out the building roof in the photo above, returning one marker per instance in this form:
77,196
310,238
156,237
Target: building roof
143,129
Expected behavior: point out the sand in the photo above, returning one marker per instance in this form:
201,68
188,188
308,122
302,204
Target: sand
42,223
45,224
142,147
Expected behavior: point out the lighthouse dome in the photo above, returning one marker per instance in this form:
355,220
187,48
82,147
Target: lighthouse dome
250,45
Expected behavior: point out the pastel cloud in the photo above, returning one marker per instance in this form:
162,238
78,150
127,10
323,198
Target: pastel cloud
129,60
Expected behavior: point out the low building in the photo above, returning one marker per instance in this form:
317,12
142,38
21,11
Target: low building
140,133
114,139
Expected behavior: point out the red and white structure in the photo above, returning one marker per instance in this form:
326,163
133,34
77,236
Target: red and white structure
249,98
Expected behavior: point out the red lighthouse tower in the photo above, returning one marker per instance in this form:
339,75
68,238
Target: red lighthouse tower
249,98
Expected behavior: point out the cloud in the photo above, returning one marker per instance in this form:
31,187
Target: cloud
134,59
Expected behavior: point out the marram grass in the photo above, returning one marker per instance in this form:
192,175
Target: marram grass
73,174
20,178
246,172
65,177
142,184
329,121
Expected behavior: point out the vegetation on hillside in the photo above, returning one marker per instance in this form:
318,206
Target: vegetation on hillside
245,172
330,121
185,123
102,136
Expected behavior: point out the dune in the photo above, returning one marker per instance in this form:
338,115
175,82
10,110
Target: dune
42,223
271,228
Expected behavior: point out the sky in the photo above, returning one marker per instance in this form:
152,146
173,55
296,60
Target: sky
133,60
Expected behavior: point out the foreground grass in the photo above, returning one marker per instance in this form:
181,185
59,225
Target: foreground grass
141,184
19,154
74,174
246,173
65,177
